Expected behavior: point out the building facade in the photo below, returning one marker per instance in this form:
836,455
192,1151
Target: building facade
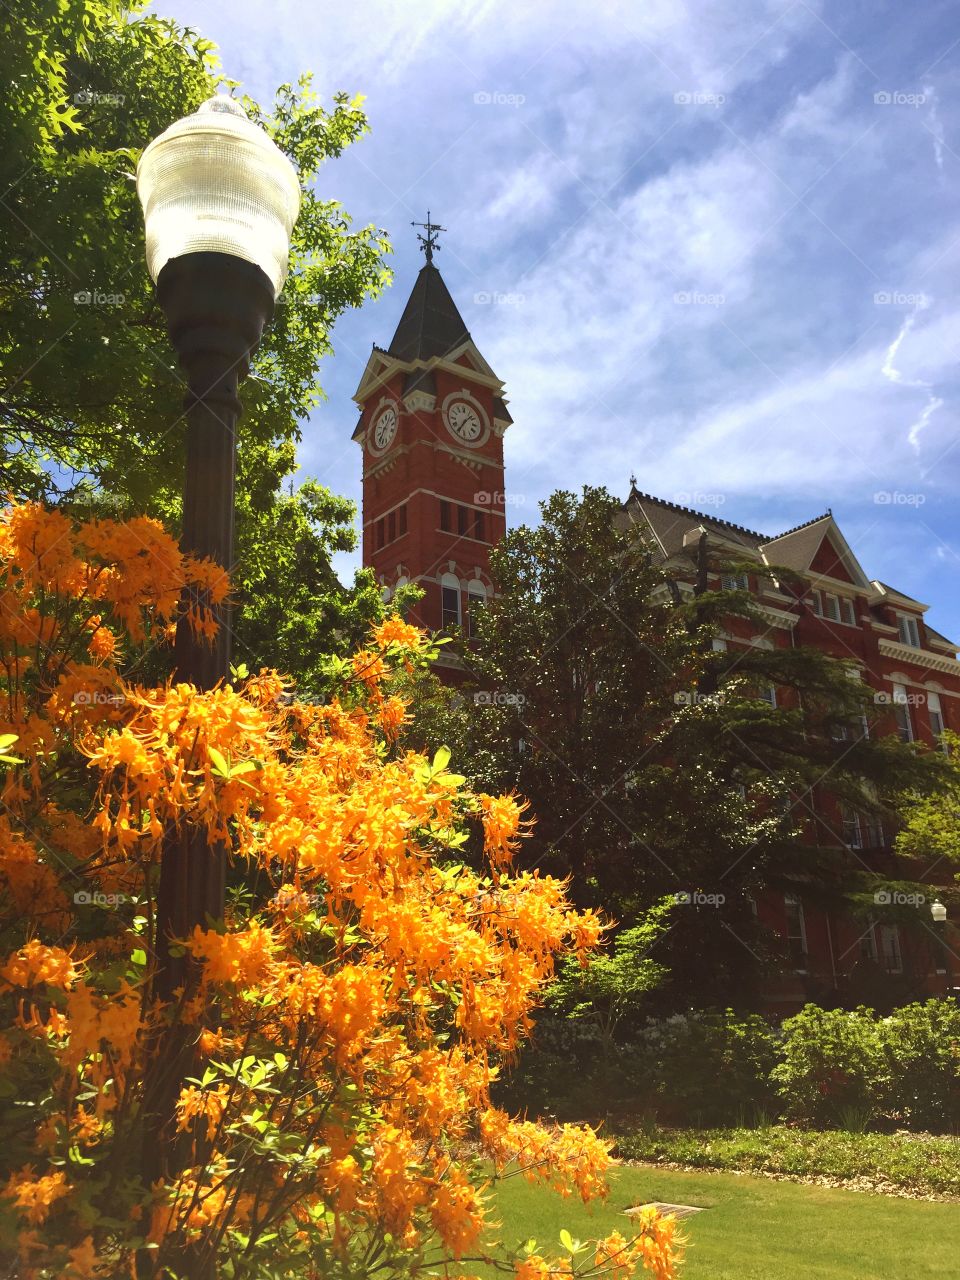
824,599
432,419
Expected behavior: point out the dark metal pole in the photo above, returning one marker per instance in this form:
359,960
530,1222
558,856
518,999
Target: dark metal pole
216,307
945,953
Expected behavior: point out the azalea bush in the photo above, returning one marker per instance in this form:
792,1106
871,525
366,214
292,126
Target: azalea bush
344,1019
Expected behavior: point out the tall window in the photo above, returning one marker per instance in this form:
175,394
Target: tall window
937,725
817,601
445,522
831,607
881,943
450,600
402,520
463,519
379,528
479,527
848,613
391,526
476,599
402,582
796,932
888,944
901,711
909,630
852,833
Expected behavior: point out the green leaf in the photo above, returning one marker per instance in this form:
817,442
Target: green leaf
220,765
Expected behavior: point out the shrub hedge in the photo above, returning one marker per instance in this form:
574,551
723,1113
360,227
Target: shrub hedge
821,1069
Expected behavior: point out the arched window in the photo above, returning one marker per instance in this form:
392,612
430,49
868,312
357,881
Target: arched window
476,599
450,600
402,581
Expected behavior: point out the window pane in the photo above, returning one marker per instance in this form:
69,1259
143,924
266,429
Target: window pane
450,606
831,607
462,515
796,931
889,947
909,631
848,613
402,518
445,515
901,711
391,526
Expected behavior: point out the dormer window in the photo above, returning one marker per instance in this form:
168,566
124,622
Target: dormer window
909,629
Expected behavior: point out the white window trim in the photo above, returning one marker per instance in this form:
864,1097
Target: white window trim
906,622
792,899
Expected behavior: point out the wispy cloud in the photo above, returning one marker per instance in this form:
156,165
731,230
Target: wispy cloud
727,250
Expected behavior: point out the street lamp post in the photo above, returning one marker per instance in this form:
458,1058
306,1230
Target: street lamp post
939,913
219,200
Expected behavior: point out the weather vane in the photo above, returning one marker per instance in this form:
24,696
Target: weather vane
429,241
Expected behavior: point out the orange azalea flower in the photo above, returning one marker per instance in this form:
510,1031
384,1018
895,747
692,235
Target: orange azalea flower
393,630
83,1260
202,1103
34,1196
35,963
503,826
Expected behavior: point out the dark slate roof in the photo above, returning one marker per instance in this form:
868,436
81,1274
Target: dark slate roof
670,521
500,410
430,325
420,380
937,635
896,590
797,547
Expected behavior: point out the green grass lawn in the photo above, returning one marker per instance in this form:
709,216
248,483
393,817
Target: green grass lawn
756,1228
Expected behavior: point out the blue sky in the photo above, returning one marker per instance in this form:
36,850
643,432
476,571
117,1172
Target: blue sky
714,245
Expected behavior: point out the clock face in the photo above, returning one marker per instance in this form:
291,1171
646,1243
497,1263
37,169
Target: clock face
385,428
464,421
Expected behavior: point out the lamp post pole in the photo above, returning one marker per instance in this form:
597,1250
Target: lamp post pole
939,913
220,200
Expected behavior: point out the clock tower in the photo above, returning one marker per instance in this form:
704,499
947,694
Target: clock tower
432,418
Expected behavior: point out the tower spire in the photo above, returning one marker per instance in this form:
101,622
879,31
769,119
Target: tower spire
428,242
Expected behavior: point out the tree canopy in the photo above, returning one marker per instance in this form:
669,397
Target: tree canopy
656,763
91,406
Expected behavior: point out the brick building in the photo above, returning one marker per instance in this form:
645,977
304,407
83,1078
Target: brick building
432,418
830,604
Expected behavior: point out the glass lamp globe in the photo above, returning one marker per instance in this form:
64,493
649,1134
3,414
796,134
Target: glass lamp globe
938,911
214,182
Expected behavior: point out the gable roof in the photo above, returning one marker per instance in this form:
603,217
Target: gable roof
430,325
670,522
797,548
